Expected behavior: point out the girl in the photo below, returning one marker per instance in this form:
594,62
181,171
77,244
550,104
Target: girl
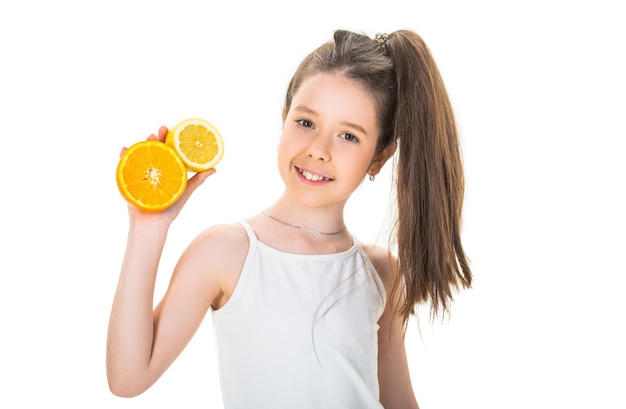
306,316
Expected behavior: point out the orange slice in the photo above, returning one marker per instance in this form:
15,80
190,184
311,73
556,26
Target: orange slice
151,176
198,143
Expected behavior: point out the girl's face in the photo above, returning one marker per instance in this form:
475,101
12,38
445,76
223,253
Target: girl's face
328,140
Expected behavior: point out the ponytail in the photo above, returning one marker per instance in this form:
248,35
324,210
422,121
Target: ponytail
429,182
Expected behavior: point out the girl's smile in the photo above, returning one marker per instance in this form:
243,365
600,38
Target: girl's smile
312,178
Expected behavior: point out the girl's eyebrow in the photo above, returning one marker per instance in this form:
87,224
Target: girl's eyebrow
307,110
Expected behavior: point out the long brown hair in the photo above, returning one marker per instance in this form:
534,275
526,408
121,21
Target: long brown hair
415,112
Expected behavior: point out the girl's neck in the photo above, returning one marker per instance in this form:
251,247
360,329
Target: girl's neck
298,229
305,229
323,221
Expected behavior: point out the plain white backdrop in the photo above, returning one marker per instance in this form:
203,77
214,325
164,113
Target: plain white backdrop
539,93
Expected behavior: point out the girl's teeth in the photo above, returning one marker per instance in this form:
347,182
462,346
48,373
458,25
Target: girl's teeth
312,177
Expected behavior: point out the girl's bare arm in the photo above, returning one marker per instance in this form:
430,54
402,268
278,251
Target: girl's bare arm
396,390
143,341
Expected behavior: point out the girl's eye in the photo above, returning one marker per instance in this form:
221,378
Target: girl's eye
305,123
349,137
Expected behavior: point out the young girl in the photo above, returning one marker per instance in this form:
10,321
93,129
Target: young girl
305,315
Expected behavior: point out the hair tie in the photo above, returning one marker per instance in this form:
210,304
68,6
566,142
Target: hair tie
381,39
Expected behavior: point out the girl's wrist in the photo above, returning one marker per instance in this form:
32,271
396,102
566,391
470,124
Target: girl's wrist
149,223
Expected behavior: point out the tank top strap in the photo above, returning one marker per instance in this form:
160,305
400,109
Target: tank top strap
251,235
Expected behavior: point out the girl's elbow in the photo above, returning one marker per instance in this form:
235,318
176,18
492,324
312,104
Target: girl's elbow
124,388
123,391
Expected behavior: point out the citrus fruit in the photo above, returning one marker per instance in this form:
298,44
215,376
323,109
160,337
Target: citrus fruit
151,176
198,143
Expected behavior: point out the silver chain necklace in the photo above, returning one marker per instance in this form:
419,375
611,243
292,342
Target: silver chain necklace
304,228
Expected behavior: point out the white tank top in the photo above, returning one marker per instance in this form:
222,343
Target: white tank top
301,331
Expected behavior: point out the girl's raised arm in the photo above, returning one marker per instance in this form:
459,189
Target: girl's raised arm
141,342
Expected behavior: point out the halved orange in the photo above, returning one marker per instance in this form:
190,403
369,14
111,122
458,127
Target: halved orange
198,143
151,176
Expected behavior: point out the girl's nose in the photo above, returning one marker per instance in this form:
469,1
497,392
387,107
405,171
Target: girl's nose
318,149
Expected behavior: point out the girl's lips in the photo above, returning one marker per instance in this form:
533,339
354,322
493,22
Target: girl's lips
312,177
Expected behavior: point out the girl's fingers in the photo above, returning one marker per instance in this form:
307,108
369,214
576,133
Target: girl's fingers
194,182
162,133
198,179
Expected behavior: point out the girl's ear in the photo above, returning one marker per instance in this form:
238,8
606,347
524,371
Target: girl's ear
284,114
381,158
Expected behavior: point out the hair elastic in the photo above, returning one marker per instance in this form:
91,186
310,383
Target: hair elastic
381,39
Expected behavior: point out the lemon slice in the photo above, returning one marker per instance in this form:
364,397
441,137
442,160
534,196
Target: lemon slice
198,143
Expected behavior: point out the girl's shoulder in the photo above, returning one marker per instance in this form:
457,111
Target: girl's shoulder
222,249
383,261
224,234
223,243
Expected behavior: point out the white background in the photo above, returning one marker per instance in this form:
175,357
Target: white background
538,88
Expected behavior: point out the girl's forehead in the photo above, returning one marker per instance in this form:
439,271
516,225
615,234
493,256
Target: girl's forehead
335,86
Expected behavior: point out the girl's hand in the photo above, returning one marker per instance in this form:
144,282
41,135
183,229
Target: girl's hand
168,215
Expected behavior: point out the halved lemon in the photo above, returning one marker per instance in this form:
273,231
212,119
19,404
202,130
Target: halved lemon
151,176
198,143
